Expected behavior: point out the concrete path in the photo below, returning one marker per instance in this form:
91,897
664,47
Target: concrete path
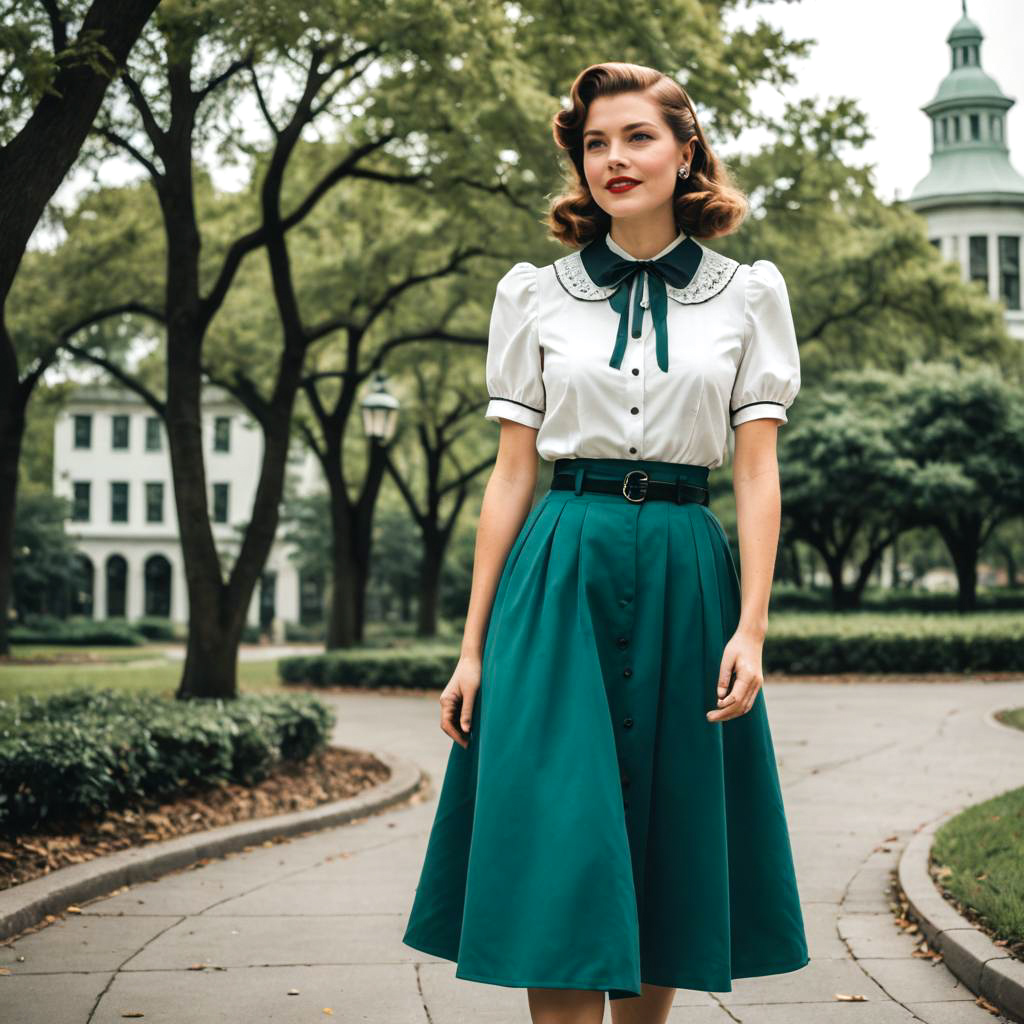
291,931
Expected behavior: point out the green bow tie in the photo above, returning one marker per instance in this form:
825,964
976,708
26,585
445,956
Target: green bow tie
608,269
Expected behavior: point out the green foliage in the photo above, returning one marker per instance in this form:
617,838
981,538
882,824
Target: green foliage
866,287
44,555
875,453
29,61
153,628
890,642
83,751
46,629
430,667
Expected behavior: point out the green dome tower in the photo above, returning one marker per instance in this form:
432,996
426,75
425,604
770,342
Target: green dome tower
973,197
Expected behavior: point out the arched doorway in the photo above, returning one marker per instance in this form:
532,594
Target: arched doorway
157,574
82,586
117,587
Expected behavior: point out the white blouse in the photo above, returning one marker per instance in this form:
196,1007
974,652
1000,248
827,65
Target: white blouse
733,357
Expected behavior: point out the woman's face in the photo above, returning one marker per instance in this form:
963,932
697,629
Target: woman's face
626,136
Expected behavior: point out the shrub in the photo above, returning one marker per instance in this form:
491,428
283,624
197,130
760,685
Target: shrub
45,629
83,751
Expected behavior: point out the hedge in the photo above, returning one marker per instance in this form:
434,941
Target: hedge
796,644
80,752
40,630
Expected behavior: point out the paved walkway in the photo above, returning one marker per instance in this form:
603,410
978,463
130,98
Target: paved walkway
863,765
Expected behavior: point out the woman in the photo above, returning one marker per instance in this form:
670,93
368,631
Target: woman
610,819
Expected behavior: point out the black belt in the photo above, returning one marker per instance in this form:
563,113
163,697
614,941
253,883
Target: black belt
635,486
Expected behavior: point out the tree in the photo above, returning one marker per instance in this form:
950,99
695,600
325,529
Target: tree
56,62
964,430
44,555
846,483
866,287
444,413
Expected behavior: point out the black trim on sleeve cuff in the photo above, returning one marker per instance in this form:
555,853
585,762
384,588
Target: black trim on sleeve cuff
763,401
498,398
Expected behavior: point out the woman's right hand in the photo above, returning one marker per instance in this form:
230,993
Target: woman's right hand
457,699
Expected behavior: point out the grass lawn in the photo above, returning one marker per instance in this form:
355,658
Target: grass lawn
142,669
1014,717
980,863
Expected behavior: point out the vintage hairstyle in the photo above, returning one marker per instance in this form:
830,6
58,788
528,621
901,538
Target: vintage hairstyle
707,202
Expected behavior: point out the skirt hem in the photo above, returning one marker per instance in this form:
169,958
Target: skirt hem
756,971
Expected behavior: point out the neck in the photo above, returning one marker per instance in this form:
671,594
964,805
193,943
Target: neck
643,239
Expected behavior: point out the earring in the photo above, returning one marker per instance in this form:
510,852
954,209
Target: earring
683,171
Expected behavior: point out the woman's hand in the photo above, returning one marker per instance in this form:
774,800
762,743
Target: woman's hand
458,698
742,654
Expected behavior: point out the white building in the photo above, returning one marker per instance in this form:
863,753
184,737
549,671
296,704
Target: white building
973,198
111,461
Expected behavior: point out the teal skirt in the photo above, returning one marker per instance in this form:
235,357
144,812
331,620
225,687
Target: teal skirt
598,831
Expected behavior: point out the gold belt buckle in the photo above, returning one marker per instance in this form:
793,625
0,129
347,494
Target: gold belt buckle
627,485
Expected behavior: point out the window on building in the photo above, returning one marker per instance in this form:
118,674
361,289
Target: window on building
154,437
83,430
1009,270
978,251
154,502
937,242
119,432
117,587
975,127
118,502
945,129
222,434
311,597
956,127
220,503
80,493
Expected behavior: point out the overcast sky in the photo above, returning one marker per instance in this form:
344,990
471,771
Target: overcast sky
890,56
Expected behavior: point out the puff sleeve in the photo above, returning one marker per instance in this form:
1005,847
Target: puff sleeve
768,375
515,387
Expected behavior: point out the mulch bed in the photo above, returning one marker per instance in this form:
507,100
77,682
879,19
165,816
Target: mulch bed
332,774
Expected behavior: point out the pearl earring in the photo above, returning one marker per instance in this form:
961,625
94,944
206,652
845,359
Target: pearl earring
683,171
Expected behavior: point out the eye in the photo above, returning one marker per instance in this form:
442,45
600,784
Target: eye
635,135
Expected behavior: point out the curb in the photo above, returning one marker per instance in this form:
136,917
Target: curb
985,968
25,905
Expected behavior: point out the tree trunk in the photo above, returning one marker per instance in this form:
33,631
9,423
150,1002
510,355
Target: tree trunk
963,541
12,430
342,629
431,568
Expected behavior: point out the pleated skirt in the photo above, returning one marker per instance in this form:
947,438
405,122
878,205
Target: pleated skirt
598,831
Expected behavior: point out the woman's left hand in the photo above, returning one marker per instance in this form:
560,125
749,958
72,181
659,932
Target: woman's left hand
742,654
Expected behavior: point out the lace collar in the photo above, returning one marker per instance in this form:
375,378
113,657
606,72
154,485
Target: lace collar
713,273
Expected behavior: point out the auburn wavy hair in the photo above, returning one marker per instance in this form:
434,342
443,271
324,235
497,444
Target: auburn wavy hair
707,203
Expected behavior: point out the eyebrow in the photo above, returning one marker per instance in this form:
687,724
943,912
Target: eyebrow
625,128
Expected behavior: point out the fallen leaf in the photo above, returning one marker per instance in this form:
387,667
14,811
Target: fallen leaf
845,998
293,991
74,910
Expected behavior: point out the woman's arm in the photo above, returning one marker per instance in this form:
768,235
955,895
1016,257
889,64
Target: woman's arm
755,481
507,499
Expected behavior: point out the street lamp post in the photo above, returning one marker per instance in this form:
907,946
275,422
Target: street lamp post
380,412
